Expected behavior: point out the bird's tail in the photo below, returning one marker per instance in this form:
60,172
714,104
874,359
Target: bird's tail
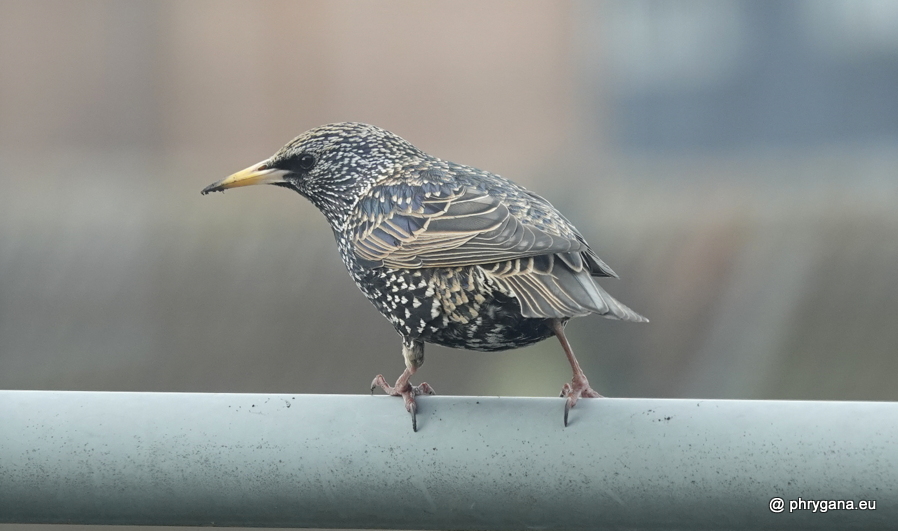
609,307
561,291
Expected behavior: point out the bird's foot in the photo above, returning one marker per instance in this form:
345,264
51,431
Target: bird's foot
577,388
407,391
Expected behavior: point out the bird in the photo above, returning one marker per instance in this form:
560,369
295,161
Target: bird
450,254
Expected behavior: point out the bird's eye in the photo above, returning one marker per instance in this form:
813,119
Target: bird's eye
306,161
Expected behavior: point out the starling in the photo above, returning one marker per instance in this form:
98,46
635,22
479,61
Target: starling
449,254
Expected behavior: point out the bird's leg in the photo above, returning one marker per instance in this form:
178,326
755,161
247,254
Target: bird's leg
413,352
579,385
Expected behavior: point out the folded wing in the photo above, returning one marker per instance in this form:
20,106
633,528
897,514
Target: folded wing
524,244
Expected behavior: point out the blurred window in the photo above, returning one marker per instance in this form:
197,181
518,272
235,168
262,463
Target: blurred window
734,74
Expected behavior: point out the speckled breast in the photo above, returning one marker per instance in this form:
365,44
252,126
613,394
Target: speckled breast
454,307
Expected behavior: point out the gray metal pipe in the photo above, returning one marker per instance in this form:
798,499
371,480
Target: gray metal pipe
475,463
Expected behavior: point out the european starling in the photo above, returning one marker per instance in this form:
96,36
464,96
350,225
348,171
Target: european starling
449,254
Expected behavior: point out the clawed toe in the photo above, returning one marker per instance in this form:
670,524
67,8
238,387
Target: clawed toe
379,381
412,408
409,397
407,391
409,394
423,389
573,391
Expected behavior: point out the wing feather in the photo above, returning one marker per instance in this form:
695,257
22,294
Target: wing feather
468,227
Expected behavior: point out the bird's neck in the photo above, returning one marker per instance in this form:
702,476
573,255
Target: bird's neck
338,200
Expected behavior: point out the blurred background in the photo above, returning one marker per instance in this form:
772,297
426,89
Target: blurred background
735,161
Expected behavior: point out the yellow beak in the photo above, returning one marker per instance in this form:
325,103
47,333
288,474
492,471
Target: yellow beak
256,174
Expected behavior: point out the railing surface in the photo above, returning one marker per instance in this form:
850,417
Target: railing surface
475,463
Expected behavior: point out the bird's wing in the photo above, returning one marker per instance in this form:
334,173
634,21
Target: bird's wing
449,226
521,242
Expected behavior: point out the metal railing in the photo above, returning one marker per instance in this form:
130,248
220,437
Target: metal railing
476,462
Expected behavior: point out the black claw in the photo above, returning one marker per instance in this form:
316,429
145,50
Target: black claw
567,407
414,417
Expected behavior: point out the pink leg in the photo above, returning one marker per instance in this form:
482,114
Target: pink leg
579,385
404,389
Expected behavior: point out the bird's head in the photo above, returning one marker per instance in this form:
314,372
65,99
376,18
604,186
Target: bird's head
331,165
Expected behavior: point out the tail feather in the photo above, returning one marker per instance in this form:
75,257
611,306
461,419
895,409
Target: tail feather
560,291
